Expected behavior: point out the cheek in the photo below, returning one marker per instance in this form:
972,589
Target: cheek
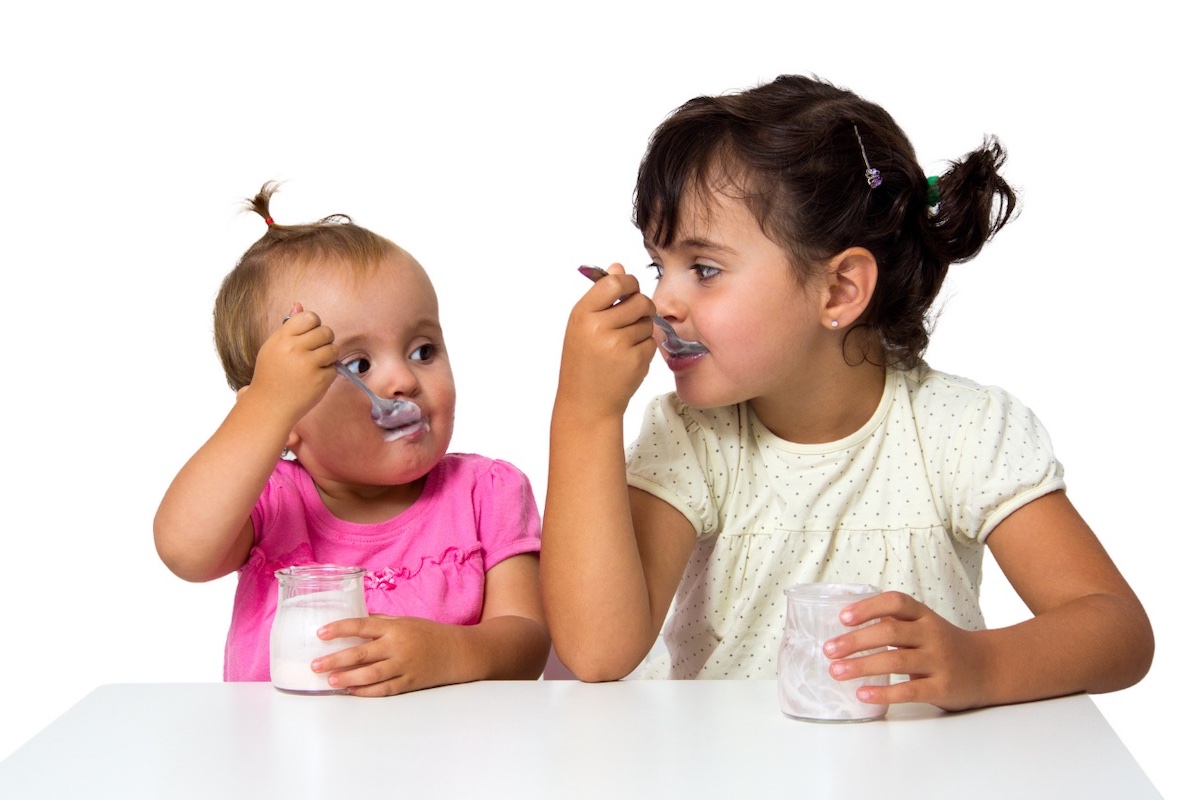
441,394
733,329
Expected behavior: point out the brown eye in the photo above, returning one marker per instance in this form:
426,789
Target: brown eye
423,353
358,365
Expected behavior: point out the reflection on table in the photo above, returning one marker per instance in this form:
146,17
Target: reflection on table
561,739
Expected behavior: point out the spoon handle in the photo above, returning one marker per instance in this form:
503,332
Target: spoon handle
376,401
674,343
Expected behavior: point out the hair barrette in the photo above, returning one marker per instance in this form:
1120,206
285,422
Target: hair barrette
874,179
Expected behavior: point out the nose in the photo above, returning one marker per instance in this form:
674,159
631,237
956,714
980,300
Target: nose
396,378
668,300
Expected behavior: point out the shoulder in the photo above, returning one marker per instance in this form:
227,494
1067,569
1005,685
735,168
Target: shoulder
472,473
930,385
289,483
938,398
985,451
667,415
465,466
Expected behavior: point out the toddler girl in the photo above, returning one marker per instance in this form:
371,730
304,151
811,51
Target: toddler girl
449,541
793,234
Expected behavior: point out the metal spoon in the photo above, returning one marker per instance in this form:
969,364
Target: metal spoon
673,344
384,413
388,414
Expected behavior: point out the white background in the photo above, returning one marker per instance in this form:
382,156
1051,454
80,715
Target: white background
498,144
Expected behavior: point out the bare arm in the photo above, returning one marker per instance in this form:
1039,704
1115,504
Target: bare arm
1088,633
202,529
606,587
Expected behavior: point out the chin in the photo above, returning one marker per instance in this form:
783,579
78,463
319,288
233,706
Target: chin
702,399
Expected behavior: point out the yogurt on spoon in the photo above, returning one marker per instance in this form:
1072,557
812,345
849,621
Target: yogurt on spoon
399,417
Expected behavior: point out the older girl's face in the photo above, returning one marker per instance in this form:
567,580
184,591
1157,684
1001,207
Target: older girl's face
724,283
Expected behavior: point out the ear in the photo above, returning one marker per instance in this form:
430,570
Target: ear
852,274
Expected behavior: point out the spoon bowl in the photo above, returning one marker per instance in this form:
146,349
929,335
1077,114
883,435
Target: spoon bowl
389,414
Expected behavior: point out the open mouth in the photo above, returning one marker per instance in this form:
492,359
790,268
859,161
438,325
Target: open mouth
676,362
400,414
419,425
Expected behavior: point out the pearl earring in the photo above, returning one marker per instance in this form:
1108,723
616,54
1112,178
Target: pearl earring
833,324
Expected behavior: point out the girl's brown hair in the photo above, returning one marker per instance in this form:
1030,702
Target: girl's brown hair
240,325
789,150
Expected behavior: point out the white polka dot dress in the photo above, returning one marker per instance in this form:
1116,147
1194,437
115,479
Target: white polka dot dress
904,503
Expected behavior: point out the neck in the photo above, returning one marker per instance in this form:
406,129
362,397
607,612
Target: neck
831,407
367,504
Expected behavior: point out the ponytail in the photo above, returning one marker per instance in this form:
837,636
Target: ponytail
973,203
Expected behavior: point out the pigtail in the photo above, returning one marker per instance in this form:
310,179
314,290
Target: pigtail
261,203
241,319
973,202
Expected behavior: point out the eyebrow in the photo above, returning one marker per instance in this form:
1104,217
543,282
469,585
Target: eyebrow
426,326
693,243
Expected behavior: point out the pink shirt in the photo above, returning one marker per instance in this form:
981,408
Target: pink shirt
429,562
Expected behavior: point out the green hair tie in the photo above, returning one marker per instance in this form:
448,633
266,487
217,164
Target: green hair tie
932,195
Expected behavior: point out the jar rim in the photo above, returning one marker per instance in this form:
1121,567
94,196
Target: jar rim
319,571
830,590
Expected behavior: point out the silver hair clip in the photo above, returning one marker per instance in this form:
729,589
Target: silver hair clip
874,179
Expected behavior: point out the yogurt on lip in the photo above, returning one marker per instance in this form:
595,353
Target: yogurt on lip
416,429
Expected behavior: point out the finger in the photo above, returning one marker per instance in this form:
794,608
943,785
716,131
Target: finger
361,627
296,309
354,656
886,662
397,685
300,322
917,690
887,604
613,287
887,632
316,339
358,675
634,313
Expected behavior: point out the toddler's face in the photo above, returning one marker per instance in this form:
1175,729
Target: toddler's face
724,283
386,328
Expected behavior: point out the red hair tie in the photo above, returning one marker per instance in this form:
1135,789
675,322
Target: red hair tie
270,222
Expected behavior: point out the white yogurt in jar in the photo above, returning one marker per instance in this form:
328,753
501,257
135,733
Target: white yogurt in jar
806,689
294,642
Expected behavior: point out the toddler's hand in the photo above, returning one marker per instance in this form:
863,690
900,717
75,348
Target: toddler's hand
608,345
292,368
944,663
403,654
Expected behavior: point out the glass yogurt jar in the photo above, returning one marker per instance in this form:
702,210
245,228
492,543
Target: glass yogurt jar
309,597
806,689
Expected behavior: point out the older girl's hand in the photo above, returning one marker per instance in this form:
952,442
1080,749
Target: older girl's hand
945,664
608,345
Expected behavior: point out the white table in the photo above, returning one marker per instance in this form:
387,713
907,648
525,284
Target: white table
562,739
